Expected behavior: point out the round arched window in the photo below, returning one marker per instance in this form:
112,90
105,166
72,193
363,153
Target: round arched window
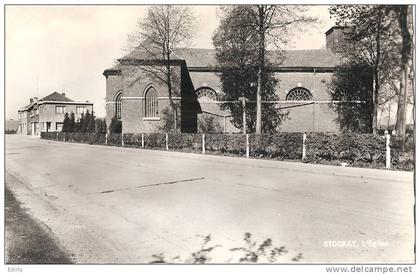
206,94
299,94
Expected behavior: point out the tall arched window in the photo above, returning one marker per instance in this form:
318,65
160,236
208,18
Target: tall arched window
151,103
299,94
118,105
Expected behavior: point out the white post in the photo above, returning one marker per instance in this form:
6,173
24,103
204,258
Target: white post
167,148
142,140
388,151
122,140
56,135
203,151
247,146
106,138
304,147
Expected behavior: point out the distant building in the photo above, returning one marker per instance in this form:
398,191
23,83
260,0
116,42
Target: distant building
11,125
47,114
302,88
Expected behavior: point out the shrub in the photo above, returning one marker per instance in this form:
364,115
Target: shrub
226,143
116,126
189,142
132,140
402,157
155,140
283,146
352,148
114,139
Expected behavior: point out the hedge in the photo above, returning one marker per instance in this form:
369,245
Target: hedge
359,150
188,142
281,146
402,157
89,138
368,150
233,144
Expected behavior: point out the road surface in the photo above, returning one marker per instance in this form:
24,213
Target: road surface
123,205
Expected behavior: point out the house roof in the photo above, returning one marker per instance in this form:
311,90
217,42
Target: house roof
197,57
55,96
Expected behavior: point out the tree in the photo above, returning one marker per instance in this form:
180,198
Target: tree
352,85
208,124
164,29
115,126
241,43
404,15
100,125
90,122
66,122
72,123
81,125
373,40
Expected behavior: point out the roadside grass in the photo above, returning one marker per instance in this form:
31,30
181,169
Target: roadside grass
26,240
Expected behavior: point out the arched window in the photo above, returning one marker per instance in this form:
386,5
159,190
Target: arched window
206,93
151,103
299,94
118,105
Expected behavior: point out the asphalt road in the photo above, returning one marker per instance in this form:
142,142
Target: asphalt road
121,205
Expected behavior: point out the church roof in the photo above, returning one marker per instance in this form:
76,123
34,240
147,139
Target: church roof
197,57
55,96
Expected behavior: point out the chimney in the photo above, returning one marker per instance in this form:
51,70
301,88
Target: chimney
35,99
336,38
31,100
63,93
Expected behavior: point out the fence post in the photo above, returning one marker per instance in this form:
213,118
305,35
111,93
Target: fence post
166,139
56,135
247,146
388,151
142,140
122,139
304,146
106,138
203,151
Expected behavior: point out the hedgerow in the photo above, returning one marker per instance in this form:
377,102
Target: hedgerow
351,148
359,150
282,146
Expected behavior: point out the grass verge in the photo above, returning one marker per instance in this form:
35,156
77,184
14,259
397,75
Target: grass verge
27,241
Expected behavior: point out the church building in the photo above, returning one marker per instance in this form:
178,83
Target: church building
139,101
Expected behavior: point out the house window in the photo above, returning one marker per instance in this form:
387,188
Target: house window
58,126
36,112
60,109
117,113
80,109
299,94
151,103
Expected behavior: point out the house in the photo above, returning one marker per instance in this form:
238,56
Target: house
303,77
47,114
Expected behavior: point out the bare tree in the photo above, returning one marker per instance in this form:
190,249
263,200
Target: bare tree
272,24
163,30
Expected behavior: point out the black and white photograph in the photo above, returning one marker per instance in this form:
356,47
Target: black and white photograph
237,134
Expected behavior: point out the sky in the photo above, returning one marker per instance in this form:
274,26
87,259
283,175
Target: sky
66,48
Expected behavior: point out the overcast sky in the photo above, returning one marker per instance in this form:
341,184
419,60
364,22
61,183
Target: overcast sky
66,48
